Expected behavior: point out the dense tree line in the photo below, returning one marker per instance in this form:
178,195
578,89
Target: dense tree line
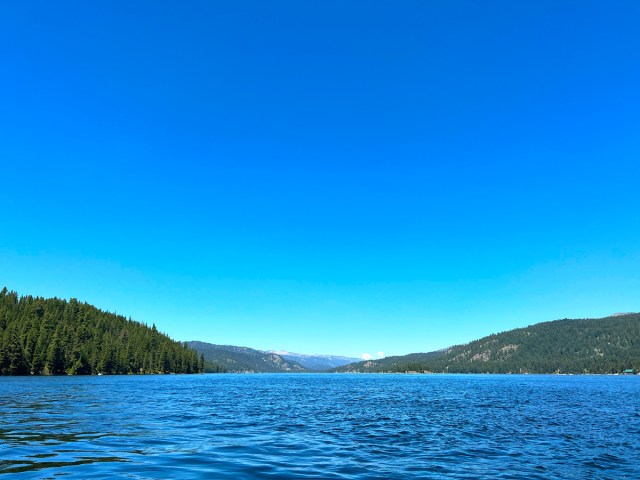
41,336
605,345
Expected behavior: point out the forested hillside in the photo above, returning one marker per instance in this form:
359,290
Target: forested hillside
52,336
242,359
605,345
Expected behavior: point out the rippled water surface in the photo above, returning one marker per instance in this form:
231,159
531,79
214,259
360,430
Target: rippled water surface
320,426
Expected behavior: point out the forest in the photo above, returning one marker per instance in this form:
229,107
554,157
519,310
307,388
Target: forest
570,346
41,336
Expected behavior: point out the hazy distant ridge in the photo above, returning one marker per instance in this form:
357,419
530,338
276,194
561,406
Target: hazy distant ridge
230,358
316,362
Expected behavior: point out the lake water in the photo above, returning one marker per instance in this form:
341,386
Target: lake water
320,426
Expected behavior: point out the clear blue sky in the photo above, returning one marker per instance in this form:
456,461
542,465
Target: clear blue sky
324,177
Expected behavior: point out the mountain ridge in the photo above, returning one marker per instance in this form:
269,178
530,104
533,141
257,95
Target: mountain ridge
602,345
317,362
231,358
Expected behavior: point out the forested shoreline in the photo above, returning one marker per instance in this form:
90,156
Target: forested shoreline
40,336
53,336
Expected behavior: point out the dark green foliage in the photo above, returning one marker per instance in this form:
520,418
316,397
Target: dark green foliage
55,337
13,360
213,367
227,358
605,345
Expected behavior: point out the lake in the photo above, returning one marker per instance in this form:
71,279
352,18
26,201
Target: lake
324,426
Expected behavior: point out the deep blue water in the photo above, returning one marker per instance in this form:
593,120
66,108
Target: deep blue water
320,426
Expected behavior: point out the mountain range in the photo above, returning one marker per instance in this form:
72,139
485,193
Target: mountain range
41,336
229,358
316,362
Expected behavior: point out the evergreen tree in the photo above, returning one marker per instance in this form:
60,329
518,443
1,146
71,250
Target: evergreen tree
12,357
55,356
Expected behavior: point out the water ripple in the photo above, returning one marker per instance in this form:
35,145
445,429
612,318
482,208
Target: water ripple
320,426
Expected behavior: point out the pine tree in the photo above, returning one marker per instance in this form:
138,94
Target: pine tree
201,364
12,357
55,357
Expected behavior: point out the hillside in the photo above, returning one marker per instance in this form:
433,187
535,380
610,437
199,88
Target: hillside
316,362
605,345
242,359
41,336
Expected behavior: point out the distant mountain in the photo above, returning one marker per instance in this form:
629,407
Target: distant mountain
316,362
242,359
605,345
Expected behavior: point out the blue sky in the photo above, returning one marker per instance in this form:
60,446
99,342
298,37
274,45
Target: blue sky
324,177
